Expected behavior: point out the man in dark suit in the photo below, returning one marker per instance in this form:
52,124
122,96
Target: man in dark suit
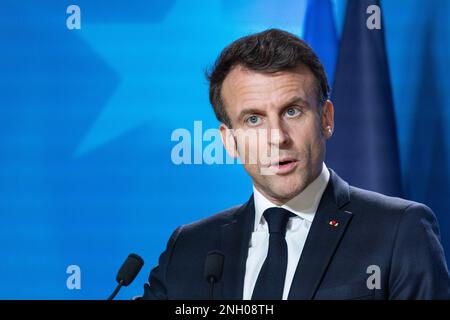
304,233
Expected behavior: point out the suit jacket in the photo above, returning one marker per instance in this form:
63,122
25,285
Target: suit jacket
389,243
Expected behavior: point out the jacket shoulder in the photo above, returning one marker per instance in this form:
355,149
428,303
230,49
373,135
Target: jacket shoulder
378,206
213,220
377,200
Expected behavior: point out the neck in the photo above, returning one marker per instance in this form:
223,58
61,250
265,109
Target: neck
279,200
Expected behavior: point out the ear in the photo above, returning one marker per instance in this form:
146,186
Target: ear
228,140
327,120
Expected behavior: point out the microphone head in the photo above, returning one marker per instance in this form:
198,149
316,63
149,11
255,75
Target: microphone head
214,266
129,269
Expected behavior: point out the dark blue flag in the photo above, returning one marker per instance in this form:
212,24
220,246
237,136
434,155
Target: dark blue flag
363,149
320,33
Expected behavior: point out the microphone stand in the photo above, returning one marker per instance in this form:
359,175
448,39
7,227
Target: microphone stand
212,280
116,290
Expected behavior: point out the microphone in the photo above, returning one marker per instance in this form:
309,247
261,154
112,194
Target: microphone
213,269
127,272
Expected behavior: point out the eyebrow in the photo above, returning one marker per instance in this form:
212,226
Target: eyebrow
294,100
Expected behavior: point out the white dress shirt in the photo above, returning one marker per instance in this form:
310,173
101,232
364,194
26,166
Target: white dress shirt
304,206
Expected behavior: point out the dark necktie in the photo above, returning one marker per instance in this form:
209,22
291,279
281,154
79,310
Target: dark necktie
270,283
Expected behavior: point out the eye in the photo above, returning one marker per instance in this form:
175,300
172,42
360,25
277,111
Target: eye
292,112
253,120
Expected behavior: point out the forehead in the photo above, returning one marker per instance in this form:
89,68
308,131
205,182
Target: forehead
247,88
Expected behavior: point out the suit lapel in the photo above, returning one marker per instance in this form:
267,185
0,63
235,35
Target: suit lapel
323,239
235,238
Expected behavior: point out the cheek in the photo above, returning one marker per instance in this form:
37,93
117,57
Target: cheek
305,135
247,150
254,172
252,146
308,141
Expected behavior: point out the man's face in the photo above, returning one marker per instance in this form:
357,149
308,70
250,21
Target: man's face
284,105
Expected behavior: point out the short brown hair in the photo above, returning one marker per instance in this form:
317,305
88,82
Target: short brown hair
269,51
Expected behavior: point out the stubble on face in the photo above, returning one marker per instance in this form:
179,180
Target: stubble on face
271,98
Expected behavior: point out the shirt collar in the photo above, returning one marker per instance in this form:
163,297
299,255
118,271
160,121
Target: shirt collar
304,204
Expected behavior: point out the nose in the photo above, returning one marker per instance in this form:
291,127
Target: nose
278,134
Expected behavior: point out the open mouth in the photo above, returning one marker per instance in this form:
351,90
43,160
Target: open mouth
282,163
285,166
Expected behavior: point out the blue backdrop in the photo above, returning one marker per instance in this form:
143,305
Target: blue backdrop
86,174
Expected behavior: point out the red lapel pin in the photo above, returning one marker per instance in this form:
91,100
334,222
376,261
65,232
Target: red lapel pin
333,223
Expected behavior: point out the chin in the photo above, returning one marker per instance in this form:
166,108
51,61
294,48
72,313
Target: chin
287,192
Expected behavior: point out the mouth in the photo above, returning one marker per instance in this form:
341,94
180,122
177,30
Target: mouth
285,165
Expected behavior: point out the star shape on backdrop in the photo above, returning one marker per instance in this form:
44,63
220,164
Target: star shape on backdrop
160,66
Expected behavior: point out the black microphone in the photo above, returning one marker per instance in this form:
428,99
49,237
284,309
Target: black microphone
127,272
213,269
